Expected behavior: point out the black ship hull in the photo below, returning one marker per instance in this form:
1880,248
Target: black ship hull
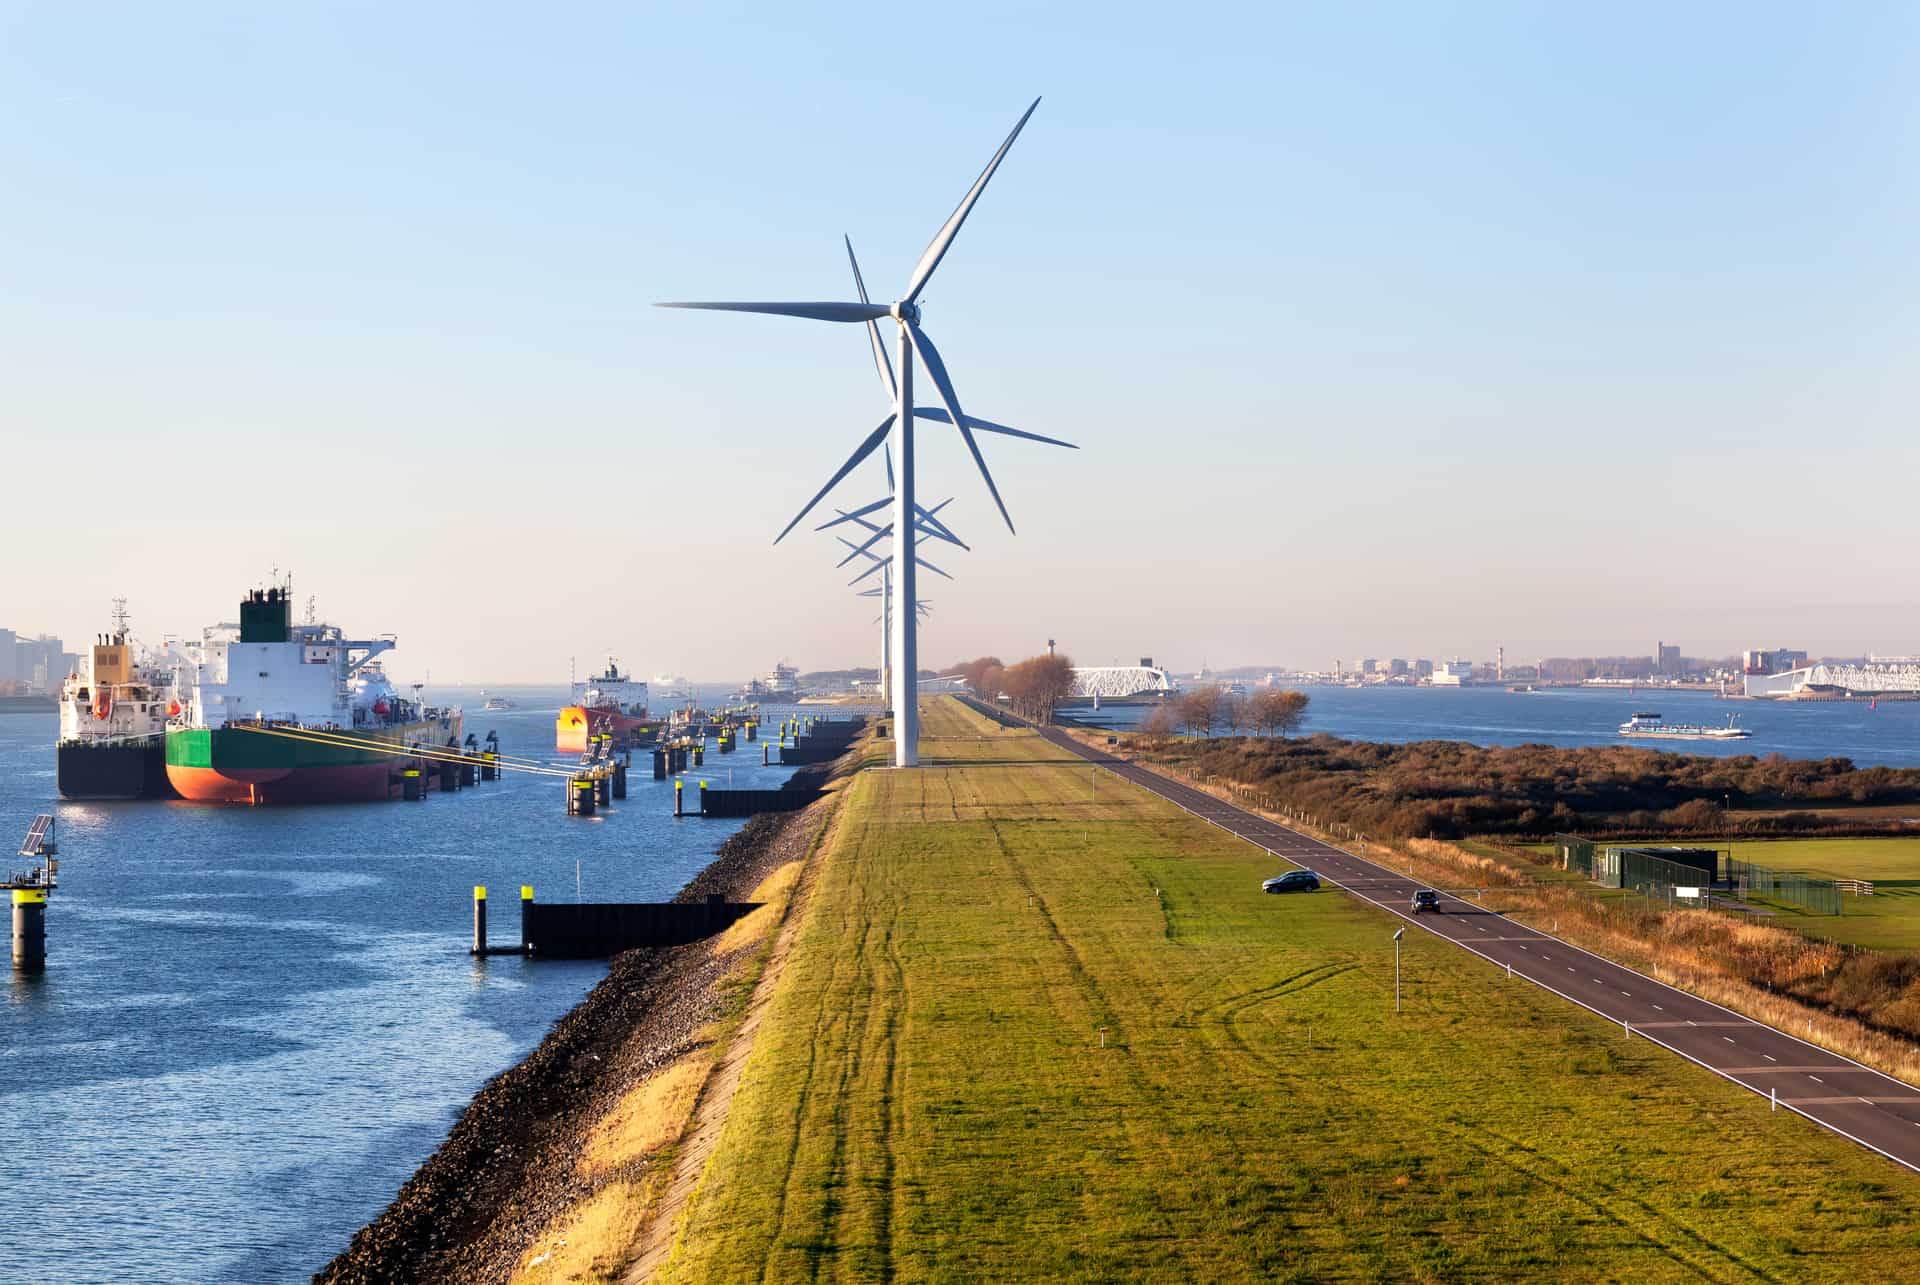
120,770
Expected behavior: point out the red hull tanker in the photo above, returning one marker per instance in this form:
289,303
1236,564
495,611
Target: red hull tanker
609,705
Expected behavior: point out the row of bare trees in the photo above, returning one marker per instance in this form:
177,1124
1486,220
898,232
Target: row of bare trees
1202,710
1035,687
982,675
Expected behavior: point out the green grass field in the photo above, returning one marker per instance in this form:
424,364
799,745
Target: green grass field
930,1096
1888,920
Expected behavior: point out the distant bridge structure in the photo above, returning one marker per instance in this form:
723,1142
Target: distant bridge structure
1854,680
1118,682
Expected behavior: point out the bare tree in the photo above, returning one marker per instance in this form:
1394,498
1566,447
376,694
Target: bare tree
1236,713
1159,725
1292,712
1200,710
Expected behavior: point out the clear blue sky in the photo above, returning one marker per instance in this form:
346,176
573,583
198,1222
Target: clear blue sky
1396,330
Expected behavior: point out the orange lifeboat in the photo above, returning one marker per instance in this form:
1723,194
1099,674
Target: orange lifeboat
102,702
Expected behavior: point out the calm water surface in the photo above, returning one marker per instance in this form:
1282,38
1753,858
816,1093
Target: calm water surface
256,1023
1888,736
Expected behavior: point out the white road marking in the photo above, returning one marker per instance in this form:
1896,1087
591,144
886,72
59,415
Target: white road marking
1816,1079
1628,994
1770,1057
1727,1038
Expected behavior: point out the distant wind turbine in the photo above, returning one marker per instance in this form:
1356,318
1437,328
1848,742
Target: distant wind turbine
911,341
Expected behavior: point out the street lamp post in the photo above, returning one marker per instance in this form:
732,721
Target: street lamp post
1397,935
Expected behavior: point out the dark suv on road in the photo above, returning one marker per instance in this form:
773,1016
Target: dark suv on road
1426,899
1292,881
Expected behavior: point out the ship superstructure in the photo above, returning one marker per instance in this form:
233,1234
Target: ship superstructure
255,687
610,704
780,686
113,721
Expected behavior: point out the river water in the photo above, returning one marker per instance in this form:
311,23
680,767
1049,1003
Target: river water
256,1023
1888,736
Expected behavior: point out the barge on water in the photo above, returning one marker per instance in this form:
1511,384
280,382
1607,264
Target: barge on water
1649,726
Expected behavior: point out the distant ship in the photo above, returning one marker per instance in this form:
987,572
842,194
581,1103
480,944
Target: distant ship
611,704
113,723
274,712
1652,727
498,702
781,686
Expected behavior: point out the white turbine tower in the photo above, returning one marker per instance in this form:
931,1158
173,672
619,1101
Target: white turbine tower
884,592
911,340
928,524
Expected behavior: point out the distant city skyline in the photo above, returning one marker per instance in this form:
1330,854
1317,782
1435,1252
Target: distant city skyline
1414,329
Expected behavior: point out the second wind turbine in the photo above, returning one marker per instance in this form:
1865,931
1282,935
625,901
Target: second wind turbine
911,341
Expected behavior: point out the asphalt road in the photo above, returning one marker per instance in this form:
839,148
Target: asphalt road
1872,1109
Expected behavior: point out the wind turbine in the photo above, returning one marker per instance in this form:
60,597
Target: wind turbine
928,523
910,341
883,591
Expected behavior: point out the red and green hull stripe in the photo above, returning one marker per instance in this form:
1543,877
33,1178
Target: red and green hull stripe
237,765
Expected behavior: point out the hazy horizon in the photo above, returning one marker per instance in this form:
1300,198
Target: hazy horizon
1411,331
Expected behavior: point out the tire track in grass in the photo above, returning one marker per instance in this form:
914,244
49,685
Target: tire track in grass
892,1106
1160,1131
830,1240
829,1017
1597,1196
791,1158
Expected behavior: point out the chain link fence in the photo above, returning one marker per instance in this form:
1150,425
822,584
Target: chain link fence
1821,896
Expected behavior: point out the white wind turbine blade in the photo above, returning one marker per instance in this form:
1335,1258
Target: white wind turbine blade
929,521
979,425
881,362
859,549
854,515
860,452
930,358
815,311
937,248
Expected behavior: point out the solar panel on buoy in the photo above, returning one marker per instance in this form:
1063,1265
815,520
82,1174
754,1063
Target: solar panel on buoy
34,843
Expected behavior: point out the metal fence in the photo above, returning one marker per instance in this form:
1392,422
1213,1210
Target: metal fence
1821,896
1656,877
1575,853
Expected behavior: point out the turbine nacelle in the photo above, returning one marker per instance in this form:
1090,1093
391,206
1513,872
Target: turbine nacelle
905,311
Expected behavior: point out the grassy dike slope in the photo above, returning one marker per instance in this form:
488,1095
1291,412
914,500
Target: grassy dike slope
930,1098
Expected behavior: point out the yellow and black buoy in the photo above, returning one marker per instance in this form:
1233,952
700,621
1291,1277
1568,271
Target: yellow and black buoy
30,929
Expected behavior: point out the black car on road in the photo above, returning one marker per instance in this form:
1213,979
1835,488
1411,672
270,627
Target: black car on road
1293,881
1426,899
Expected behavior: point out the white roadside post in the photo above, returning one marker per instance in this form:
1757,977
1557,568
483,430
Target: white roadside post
1397,935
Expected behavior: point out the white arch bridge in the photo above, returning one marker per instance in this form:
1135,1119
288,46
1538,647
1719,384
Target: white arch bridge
1119,682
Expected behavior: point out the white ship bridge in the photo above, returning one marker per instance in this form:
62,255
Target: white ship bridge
1118,682
1833,680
